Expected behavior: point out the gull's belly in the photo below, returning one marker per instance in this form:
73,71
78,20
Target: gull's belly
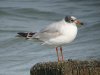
68,35
61,40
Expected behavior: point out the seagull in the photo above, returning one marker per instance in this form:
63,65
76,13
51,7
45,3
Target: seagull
56,34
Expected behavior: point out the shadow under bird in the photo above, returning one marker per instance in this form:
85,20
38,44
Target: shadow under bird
56,34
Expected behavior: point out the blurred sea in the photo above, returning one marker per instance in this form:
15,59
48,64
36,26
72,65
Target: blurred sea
18,55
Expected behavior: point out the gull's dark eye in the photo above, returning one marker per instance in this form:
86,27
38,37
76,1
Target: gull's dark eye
72,20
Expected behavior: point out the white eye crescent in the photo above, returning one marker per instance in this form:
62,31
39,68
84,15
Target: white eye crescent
73,18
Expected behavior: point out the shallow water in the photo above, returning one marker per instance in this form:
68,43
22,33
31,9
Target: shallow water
18,55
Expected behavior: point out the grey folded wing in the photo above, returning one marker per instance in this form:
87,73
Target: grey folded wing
47,33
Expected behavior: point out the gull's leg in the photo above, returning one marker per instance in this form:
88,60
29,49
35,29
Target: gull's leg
57,53
61,53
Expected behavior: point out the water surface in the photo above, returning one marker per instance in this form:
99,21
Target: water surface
18,55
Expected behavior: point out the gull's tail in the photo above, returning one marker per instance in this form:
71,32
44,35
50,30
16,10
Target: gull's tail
26,35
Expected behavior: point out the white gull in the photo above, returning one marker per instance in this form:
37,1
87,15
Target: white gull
57,34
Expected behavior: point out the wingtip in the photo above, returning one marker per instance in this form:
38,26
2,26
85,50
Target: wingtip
25,34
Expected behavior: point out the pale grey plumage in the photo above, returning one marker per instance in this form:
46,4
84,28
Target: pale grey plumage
51,31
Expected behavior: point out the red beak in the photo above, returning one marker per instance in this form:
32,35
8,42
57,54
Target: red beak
78,22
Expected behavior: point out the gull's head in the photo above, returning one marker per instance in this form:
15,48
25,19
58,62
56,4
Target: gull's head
72,19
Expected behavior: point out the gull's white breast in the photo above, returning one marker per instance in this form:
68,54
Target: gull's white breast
69,33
